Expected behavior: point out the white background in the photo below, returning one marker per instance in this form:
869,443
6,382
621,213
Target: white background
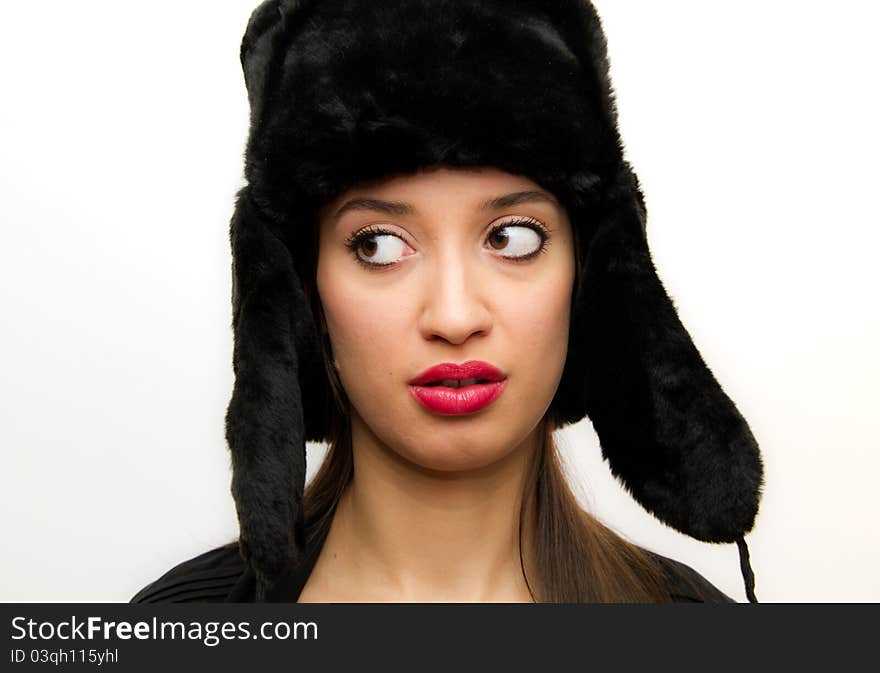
753,127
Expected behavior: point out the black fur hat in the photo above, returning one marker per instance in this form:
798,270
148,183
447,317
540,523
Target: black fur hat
343,91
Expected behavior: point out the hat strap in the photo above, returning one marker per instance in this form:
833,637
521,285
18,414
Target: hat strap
746,568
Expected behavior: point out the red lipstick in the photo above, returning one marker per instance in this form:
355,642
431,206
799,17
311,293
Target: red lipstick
452,389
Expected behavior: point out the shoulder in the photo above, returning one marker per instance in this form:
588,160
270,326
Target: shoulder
207,578
686,585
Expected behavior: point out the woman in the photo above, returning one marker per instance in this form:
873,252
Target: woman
439,259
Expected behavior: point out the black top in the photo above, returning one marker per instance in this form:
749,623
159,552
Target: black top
221,576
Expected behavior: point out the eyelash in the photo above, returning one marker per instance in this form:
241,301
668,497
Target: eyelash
354,241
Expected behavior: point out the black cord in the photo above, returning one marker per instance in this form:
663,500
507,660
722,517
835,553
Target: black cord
746,568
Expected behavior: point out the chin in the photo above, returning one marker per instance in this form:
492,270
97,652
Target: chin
452,459
455,445
446,443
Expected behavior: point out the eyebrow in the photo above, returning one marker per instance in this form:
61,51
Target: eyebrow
400,208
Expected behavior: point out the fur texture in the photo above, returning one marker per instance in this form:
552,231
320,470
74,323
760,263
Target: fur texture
343,91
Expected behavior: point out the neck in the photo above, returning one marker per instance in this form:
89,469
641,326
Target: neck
410,534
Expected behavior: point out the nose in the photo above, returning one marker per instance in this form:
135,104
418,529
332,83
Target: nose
455,304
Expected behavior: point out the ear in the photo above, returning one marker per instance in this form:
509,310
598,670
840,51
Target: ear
265,430
669,432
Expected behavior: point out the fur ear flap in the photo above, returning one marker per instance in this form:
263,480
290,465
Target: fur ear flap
669,432
264,421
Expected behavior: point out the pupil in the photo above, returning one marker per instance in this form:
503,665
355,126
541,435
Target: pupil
369,246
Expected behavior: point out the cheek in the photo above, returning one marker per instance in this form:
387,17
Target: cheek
538,320
363,324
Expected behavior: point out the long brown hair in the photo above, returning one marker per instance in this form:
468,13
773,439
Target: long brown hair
576,558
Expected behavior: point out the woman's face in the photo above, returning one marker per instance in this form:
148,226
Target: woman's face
447,266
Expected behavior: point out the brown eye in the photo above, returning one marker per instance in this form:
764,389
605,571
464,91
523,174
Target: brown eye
369,247
375,247
517,241
498,239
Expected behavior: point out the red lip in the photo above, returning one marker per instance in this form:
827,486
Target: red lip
464,400
472,369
